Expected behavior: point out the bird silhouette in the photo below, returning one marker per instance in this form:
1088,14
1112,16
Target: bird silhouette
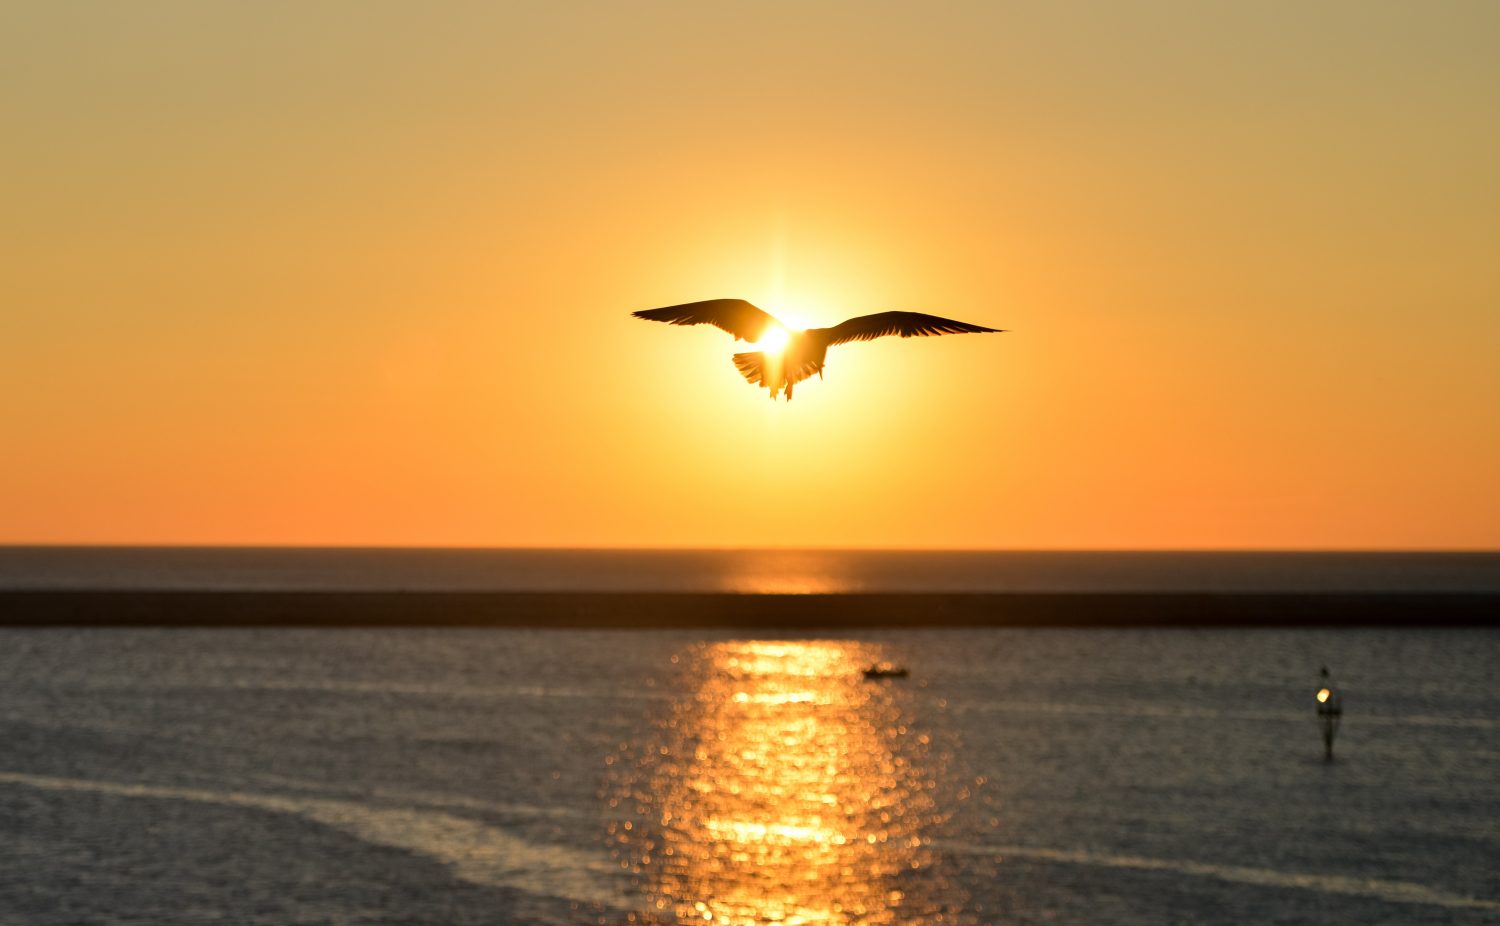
804,353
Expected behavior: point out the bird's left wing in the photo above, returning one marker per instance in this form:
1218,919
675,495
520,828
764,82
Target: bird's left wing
905,324
736,316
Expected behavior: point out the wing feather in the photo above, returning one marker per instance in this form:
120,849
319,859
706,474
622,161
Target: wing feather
905,324
736,316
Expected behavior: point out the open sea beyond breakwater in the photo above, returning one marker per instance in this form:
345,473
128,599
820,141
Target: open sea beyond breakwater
767,572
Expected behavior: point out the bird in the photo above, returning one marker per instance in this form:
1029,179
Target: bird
778,370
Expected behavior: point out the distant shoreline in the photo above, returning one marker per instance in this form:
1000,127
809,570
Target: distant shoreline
652,610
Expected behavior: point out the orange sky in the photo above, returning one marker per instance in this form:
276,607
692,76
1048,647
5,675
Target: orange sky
361,273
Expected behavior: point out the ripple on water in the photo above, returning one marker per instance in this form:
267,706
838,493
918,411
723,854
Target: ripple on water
786,788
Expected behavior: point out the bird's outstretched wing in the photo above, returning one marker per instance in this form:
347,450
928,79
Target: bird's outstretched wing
736,316
906,324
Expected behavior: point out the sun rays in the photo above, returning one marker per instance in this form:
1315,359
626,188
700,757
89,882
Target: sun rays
774,341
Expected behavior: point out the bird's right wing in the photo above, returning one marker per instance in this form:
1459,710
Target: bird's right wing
736,316
905,324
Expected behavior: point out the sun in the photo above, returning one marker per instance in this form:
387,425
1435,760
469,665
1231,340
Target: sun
773,341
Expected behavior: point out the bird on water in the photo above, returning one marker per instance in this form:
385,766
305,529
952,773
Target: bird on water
780,368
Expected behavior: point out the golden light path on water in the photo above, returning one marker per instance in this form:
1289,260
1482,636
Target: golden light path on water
787,789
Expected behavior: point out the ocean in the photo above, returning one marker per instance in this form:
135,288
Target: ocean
738,571
498,776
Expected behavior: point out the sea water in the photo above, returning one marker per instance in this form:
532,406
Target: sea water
502,776
738,571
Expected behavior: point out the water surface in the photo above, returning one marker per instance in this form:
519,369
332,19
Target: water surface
1016,776
738,571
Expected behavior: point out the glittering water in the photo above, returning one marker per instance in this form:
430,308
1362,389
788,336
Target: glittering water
786,788
1015,776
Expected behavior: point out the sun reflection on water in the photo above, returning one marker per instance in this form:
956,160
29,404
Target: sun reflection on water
787,789
788,572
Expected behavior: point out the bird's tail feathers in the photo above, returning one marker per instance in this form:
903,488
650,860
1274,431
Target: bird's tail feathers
758,372
775,374
752,366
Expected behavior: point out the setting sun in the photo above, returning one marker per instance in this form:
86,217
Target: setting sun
774,341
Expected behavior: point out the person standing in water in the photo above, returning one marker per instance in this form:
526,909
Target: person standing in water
1330,712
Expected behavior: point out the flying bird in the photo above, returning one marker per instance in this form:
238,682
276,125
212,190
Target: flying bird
780,368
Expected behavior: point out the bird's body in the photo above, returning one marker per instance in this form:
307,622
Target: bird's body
805,351
800,359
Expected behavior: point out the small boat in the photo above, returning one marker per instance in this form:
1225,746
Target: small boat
885,670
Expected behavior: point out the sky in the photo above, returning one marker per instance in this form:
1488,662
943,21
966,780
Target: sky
361,273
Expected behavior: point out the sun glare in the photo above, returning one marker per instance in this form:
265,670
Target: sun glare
790,312
787,789
773,341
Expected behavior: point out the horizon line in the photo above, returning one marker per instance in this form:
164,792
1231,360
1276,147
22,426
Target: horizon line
606,548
